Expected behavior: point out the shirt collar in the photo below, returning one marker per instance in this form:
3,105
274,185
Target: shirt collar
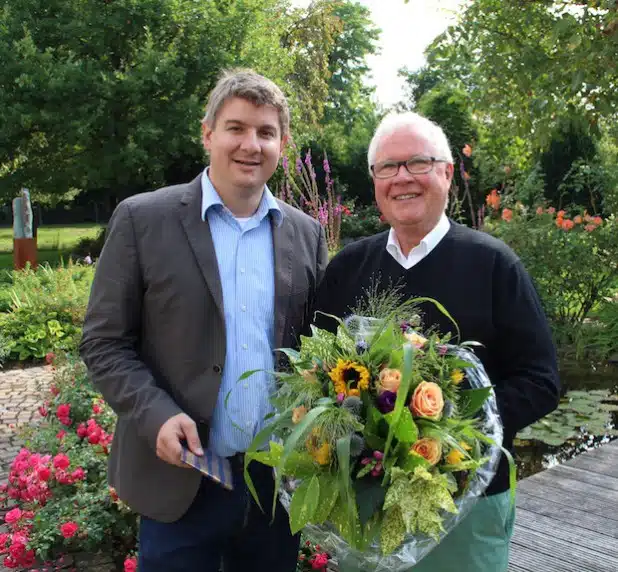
268,203
427,244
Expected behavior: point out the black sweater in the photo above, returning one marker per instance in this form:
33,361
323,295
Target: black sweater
485,288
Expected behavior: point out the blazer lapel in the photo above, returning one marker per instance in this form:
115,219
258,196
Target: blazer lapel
283,243
200,240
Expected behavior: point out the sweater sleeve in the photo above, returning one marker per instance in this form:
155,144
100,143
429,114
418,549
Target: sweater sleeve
527,386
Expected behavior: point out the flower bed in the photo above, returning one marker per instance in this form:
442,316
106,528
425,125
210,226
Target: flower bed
57,496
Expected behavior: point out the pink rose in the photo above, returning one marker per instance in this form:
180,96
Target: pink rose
69,529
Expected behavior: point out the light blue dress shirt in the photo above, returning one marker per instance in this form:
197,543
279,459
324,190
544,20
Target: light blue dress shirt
245,256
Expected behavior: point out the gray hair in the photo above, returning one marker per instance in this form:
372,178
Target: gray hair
253,87
425,127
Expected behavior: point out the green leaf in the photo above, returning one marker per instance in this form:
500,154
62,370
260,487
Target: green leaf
413,460
406,431
370,496
472,400
304,504
329,493
393,531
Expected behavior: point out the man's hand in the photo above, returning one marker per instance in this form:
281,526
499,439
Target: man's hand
175,429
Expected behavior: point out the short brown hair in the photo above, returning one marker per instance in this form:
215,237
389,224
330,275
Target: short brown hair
253,87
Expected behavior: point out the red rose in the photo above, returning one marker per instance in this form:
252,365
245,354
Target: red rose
96,409
44,473
61,434
43,411
69,529
63,410
49,358
12,516
78,474
130,564
82,431
61,461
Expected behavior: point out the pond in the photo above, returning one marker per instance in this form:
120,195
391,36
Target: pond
588,418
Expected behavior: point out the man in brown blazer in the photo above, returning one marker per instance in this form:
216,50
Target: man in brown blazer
196,284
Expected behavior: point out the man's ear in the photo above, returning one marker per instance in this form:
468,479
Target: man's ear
284,142
206,136
449,170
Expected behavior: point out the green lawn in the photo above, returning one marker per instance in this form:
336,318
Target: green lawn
51,238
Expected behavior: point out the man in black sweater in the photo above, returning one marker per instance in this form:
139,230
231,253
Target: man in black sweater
482,284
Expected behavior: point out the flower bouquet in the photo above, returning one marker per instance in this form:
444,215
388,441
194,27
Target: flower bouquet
382,438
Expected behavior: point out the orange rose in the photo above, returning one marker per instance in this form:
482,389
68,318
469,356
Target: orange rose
390,379
429,449
427,400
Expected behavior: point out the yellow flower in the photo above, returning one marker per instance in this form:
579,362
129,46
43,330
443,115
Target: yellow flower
456,456
457,376
319,451
298,413
349,377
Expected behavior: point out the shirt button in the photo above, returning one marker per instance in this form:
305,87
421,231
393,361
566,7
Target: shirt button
216,368
243,308
245,346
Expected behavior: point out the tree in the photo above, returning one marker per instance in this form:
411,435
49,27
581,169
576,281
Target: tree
107,95
528,64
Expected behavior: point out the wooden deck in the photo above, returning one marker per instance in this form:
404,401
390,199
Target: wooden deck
567,516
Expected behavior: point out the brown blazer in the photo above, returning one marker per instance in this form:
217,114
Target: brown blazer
154,333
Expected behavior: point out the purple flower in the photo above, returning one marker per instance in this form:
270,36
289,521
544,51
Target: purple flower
326,166
299,165
284,162
323,215
386,401
308,158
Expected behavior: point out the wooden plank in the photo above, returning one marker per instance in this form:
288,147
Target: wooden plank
562,551
569,533
525,559
596,463
567,498
584,476
553,479
567,514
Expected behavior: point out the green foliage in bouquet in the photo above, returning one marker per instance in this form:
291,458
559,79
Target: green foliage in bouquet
374,432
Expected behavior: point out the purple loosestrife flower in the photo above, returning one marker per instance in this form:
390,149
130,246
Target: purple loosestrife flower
326,166
284,163
308,158
386,401
323,215
299,165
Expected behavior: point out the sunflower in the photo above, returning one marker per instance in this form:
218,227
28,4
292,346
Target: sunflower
349,377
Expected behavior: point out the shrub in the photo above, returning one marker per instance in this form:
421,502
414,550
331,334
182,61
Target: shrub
363,221
57,492
90,246
47,310
573,261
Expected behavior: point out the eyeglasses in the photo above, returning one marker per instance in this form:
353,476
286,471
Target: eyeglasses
414,166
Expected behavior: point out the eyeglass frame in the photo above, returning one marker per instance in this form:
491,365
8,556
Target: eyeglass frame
399,164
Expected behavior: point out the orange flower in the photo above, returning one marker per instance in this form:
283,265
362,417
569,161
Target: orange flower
467,150
390,379
560,214
567,224
507,215
298,414
427,400
493,199
429,449
597,220
577,219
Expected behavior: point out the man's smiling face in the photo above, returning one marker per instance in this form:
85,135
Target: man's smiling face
244,144
411,200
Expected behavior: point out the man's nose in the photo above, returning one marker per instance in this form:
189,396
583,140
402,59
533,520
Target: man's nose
250,141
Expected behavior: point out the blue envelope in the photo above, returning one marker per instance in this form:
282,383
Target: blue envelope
214,467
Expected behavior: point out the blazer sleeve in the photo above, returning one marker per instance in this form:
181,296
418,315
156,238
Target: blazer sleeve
110,341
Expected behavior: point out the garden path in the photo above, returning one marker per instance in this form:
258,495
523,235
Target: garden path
20,397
